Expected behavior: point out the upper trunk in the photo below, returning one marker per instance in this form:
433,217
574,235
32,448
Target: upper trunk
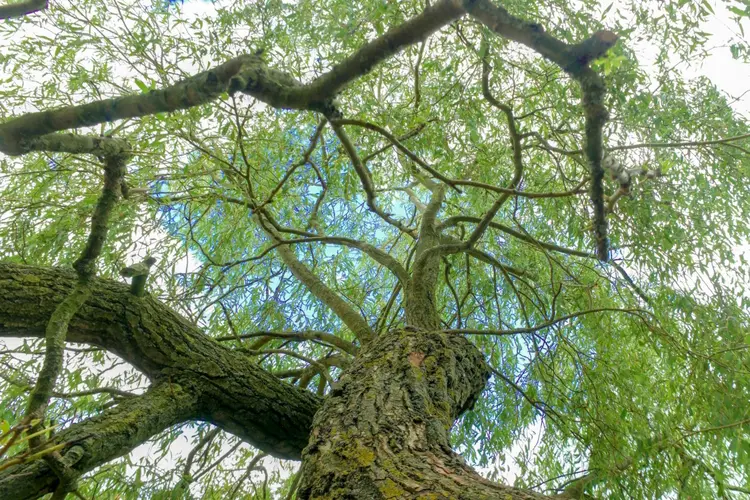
419,306
384,431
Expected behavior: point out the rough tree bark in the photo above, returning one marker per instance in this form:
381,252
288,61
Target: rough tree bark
383,432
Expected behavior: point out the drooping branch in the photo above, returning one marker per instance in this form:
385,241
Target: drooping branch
574,60
452,221
596,116
114,172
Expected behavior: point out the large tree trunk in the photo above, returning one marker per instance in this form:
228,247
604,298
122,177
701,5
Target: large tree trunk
384,430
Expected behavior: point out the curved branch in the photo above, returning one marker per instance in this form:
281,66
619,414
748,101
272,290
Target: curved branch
361,62
574,60
304,161
532,329
366,179
373,252
57,327
393,140
515,140
328,338
408,135
489,259
451,221
522,194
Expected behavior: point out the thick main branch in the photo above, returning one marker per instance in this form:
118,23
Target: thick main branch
236,394
246,73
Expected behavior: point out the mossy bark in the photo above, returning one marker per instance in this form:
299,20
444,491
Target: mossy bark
384,430
105,437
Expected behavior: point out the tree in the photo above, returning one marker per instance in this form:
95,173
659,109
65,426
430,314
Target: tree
415,237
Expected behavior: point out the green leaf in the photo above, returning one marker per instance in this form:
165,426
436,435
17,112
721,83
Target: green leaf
144,88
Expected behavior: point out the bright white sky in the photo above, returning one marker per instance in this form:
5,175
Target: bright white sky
729,75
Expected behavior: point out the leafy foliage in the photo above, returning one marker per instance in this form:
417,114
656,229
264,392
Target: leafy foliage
646,399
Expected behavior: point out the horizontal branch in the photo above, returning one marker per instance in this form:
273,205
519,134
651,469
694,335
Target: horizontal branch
522,194
452,221
247,73
655,145
78,144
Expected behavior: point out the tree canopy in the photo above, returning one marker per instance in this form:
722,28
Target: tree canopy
540,178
